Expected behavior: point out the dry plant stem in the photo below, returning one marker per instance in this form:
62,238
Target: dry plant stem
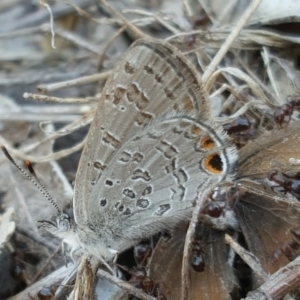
126,286
45,28
155,18
166,25
187,8
35,77
66,284
290,72
36,117
20,32
67,187
74,126
280,283
266,58
241,111
41,159
226,12
75,82
224,48
71,37
107,45
42,15
45,98
255,88
226,87
185,272
253,76
67,129
251,260
136,31
189,33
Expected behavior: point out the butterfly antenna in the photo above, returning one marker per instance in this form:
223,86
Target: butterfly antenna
34,179
33,174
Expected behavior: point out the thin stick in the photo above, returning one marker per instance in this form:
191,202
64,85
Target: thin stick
75,82
136,31
232,36
107,45
251,260
285,280
185,272
126,286
46,98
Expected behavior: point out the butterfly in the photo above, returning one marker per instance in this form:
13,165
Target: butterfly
150,149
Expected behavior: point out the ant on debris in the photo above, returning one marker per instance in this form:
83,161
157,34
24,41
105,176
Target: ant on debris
283,113
240,130
286,183
139,275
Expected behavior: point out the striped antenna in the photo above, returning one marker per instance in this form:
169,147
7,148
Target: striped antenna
34,179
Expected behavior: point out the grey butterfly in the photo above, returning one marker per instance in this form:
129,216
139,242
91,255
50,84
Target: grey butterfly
150,150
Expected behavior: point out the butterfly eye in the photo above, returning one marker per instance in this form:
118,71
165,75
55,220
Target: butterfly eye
64,225
63,222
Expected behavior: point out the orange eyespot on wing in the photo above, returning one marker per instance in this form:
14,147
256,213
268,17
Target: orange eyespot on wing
207,143
213,164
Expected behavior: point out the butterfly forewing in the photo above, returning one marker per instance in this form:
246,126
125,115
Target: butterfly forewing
151,81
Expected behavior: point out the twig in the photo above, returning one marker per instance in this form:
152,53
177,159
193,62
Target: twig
75,82
45,98
224,48
44,158
279,284
107,45
42,16
126,286
71,37
185,273
249,258
136,31
265,54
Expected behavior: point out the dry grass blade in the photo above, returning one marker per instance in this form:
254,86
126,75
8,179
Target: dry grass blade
70,83
224,48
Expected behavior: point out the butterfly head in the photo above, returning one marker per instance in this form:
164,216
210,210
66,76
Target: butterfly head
63,226
58,224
